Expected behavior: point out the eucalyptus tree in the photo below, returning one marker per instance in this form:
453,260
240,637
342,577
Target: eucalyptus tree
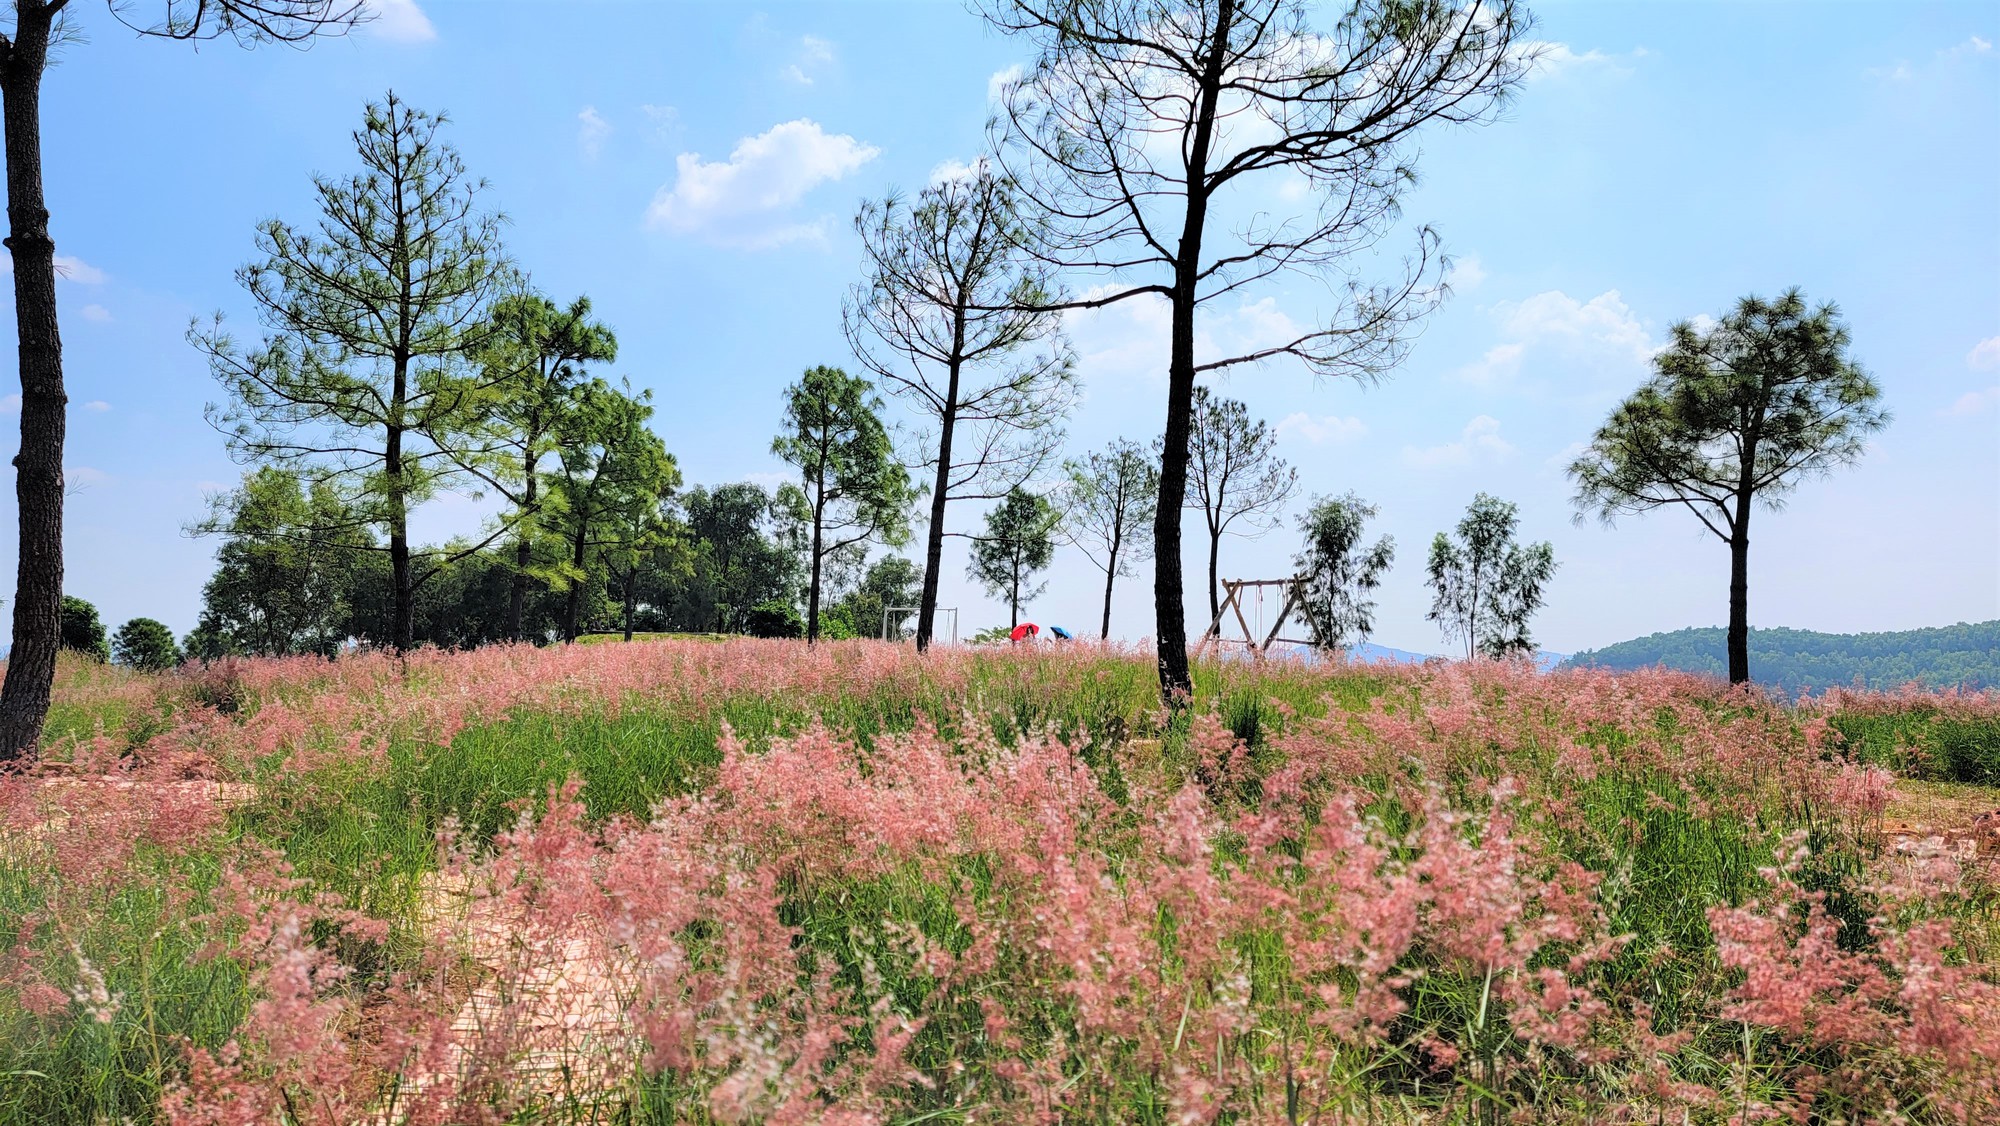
1340,571
1018,544
535,359
1736,413
1234,475
1108,510
1485,584
1152,140
951,317
39,26
855,491
374,316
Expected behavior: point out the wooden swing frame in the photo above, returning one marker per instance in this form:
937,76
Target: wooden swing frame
1295,598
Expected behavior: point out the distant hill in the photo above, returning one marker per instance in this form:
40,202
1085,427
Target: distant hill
1797,660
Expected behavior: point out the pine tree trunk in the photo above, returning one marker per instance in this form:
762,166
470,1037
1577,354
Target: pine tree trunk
1214,589
1110,575
573,604
1170,613
517,595
631,598
1739,594
38,480
812,584
1170,609
402,634
934,535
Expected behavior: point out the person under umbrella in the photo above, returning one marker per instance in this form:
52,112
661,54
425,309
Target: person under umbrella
1026,631
1061,633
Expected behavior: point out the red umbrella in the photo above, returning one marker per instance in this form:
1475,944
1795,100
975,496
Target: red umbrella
1023,631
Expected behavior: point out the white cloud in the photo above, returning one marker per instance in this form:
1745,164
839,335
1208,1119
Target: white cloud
738,202
1985,355
949,170
1128,340
1479,441
98,405
1465,274
1975,402
814,58
1971,47
1601,329
1330,428
399,21
591,130
10,404
96,313
74,269
665,120
1974,47
1553,60
996,86
83,476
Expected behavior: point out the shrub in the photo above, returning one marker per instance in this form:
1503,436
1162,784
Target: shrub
774,618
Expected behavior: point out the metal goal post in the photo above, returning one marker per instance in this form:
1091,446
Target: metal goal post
896,614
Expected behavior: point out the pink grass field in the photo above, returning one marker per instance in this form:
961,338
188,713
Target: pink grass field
979,887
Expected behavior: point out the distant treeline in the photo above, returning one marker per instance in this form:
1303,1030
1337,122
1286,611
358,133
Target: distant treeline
1796,660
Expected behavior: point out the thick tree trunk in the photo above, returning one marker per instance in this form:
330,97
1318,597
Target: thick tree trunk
1014,600
1170,613
1739,594
1170,610
934,535
38,478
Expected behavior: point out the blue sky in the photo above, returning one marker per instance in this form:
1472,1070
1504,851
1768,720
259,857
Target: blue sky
693,168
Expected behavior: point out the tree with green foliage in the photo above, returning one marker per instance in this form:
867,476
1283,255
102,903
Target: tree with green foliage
614,474
37,27
145,644
1019,544
890,581
534,362
1736,413
1234,474
1108,510
285,572
1339,572
855,491
740,558
374,317
951,317
1485,585
82,632
1144,128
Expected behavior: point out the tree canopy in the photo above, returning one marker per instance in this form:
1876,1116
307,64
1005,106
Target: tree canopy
1485,584
1340,571
1018,544
1737,412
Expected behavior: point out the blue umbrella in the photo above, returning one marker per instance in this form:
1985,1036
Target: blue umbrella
1060,632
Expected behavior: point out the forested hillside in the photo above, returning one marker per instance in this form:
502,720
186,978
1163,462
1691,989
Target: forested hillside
1963,655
